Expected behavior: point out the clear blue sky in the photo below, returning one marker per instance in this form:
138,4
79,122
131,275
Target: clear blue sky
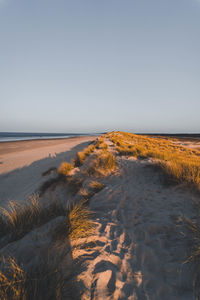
98,65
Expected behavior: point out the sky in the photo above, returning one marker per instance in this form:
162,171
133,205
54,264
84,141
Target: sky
100,65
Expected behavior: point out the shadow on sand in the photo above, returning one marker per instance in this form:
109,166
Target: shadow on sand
20,183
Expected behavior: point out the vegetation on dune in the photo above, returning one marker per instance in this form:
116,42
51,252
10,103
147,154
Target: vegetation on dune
12,280
103,163
96,186
80,221
43,282
178,162
100,144
65,168
19,218
82,155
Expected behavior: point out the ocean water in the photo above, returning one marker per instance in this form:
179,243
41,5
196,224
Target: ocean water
25,136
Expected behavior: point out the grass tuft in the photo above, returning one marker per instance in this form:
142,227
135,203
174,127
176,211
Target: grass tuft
82,155
20,218
80,221
12,280
44,282
103,164
96,186
65,168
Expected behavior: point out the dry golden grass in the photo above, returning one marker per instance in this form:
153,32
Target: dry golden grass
178,162
103,163
84,193
80,221
65,168
100,144
19,218
12,281
82,155
44,282
96,186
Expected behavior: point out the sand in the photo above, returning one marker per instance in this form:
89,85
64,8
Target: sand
22,164
140,243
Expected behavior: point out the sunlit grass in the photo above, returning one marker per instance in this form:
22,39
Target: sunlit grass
82,155
65,168
178,162
80,221
103,163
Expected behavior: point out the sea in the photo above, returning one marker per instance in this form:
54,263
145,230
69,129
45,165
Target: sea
26,136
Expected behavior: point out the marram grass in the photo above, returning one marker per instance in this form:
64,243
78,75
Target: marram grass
178,162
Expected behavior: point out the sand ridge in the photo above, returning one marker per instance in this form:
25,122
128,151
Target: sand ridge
139,246
140,243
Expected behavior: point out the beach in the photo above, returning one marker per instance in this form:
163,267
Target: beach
23,162
110,220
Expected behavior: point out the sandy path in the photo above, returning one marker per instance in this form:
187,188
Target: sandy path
139,247
21,170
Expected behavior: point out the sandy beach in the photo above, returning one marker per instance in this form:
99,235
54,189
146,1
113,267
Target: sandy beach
23,162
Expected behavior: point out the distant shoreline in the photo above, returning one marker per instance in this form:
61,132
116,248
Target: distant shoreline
30,145
45,139
23,137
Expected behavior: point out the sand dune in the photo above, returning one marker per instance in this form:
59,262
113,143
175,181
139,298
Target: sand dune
139,247
140,243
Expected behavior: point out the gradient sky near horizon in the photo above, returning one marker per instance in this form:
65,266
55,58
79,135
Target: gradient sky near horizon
100,65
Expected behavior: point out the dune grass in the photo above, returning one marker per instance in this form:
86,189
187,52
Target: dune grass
80,221
100,143
103,163
44,282
82,155
65,168
19,218
96,186
179,163
12,280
